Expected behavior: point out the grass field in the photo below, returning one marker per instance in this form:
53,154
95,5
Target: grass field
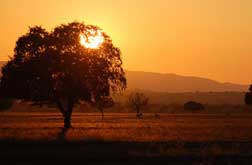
198,137
126,127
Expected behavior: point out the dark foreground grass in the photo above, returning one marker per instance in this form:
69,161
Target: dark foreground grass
195,138
101,152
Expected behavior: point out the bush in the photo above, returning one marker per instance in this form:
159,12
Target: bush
191,105
248,98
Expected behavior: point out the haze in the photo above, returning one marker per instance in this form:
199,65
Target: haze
207,38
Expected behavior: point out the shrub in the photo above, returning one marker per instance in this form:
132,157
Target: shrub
192,105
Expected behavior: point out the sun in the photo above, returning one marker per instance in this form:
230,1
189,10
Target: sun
91,39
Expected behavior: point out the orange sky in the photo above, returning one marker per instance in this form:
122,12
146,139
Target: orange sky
208,38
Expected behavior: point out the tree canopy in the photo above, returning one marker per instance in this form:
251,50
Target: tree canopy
55,67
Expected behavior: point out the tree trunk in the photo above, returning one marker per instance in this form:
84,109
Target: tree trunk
67,120
102,114
138,112
68,114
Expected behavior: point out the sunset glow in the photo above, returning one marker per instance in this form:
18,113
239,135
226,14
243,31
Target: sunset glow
165,37
91,39
132,81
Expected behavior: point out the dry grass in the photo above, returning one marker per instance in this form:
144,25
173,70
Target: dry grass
125,127
196,138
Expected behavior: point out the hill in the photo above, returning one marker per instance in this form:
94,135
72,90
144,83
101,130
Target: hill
173,83
1,64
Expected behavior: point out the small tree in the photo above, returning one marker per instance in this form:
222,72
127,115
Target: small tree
248,97
104,103
137,101
57,67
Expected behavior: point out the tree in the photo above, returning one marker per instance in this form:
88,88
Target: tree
248,97
53,67
103,103
137,101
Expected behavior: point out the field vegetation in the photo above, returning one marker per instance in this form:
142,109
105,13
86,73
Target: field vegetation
221,133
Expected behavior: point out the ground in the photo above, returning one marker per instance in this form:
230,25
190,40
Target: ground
220,137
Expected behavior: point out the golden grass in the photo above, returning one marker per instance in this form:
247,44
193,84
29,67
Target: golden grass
126,127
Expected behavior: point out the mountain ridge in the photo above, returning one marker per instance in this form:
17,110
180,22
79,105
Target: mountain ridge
174,83
170,82
174,74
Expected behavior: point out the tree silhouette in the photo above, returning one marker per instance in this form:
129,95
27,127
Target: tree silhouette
248,97
53,67
103,103
137,101
193,106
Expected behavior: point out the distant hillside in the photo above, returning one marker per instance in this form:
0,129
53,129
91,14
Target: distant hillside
175,83
1,64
